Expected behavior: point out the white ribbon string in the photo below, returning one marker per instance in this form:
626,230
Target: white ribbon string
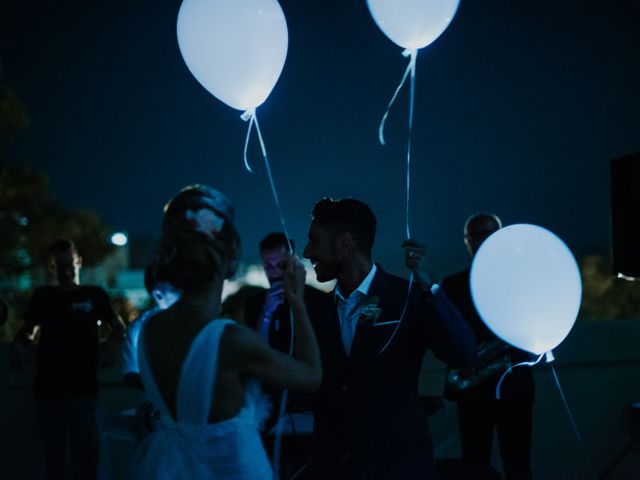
411,67
504,375
412,89
252,118
550,358
566,405
249,116
277,444
404,310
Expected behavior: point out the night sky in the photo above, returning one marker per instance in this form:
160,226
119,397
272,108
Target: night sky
519,108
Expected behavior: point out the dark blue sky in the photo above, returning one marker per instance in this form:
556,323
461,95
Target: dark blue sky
519,108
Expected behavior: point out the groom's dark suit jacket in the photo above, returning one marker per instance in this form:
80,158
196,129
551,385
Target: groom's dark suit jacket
368,415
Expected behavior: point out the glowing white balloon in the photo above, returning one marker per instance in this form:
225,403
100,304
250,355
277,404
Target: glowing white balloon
235,48
526,286
413,24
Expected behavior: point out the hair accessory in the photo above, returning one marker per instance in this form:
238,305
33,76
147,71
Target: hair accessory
205,221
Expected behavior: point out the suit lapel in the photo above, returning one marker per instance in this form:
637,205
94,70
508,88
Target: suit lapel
367,336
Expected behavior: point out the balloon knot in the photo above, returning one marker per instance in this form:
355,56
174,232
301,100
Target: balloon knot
410,52
246,116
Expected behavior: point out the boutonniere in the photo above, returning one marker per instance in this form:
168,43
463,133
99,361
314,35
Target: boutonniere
370,311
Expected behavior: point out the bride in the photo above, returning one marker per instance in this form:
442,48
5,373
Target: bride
201,371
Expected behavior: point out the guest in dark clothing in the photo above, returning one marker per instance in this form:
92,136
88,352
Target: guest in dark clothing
368,419
66,384
268,313
164,295
4,312
479,411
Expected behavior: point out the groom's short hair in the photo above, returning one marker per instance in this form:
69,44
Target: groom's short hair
347,215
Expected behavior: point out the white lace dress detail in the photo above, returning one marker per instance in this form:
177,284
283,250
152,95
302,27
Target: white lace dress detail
189,448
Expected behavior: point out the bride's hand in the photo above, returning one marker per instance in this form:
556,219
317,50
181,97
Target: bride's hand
294,276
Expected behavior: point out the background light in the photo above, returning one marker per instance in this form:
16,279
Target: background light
119,239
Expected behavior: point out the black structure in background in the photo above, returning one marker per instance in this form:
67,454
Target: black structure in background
632,446
625,215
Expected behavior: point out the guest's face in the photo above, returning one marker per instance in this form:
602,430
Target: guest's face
66,267
273,261
321,251
165,295
476,232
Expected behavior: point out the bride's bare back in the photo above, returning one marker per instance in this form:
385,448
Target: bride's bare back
242,354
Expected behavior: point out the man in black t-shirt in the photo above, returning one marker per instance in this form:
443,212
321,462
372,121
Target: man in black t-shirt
4,312
67,317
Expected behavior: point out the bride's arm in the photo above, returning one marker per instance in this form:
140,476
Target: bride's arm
256,359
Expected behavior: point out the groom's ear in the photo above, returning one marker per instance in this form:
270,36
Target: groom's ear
344,244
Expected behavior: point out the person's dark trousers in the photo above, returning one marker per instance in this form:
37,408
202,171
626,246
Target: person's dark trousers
326,471
62,418
479,413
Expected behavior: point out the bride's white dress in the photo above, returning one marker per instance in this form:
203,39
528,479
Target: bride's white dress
189,448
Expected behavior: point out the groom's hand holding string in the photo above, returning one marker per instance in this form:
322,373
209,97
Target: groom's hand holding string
415,258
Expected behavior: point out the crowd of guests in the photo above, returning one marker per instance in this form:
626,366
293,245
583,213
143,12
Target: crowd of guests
215,387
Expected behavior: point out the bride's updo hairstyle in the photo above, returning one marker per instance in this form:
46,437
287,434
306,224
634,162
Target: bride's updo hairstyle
199,242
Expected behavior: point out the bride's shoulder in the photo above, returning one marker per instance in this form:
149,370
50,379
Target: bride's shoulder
240,341
238,334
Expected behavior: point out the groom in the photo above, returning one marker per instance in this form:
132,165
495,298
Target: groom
368,420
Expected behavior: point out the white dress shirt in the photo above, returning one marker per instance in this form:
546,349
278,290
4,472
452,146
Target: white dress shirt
349,308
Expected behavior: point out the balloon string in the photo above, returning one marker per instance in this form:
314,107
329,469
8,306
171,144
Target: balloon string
404,310
411,65
249,115
504,375
277,444
411,68
566,405
252,117
412,88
